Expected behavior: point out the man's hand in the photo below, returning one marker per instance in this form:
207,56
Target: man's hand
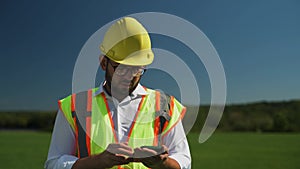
155,158
115,154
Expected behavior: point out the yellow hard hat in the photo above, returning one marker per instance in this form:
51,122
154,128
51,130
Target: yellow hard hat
127,42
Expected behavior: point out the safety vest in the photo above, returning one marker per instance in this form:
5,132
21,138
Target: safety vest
91,120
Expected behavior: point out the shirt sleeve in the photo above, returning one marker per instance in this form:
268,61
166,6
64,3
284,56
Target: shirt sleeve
62,146
178,146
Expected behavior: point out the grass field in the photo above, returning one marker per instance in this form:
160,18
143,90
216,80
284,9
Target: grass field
246,151
23,149
28,150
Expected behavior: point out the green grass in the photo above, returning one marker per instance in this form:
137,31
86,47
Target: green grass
23,149
246,150
28,150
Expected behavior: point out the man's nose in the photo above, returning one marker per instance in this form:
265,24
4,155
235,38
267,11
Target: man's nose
128,75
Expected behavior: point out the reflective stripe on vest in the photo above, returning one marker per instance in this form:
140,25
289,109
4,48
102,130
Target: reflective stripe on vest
96,119
81,106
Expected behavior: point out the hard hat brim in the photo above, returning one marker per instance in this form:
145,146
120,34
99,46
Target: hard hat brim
135,58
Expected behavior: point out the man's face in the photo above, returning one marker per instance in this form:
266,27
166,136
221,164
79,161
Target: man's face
122,79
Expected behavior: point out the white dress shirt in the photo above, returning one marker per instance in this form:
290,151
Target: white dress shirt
62,146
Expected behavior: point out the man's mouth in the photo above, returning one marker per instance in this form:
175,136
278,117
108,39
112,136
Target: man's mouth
125,84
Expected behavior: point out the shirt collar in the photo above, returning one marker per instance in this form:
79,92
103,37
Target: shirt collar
139,90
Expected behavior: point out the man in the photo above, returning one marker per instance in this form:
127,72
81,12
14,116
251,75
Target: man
121,124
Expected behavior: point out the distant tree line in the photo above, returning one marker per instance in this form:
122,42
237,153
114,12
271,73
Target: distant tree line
27,120
258,117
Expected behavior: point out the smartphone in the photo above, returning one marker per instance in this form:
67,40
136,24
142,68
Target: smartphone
158,149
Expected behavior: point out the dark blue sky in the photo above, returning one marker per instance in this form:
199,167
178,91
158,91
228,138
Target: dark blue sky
258,43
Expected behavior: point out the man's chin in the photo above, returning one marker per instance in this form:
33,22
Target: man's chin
121,90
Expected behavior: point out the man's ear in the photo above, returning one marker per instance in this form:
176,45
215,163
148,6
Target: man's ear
103,62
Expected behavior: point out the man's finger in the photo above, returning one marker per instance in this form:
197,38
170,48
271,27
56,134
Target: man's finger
120,148
125,152
149,151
